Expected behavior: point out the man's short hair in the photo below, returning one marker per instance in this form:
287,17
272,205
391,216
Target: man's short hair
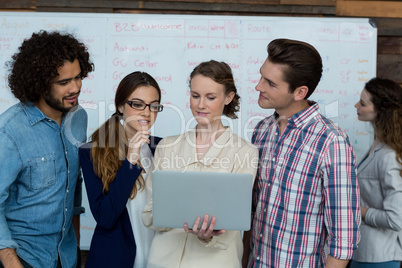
303,64
34,67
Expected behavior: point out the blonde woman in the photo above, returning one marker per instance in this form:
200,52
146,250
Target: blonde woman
209,147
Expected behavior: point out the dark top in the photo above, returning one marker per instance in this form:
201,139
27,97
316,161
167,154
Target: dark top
113,243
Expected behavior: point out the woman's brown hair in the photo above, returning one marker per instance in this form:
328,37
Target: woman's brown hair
221,73
386,95
110,146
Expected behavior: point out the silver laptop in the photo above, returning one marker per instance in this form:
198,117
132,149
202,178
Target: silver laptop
180,197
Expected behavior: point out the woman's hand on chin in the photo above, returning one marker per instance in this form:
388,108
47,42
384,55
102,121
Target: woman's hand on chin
134,145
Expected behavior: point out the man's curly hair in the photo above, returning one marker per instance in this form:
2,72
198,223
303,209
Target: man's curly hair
34,67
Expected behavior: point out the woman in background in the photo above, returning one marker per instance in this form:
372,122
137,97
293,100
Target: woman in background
213,94
115,165
379,175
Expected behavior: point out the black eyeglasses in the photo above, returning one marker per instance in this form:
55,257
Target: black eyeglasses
139,105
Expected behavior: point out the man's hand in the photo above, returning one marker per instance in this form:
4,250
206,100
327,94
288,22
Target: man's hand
336,263
9,258
76,225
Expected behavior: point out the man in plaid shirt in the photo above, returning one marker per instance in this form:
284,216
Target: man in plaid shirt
306,210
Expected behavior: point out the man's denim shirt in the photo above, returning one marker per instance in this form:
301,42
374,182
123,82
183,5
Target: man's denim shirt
39,167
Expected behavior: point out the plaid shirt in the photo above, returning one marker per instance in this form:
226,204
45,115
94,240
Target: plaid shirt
306,198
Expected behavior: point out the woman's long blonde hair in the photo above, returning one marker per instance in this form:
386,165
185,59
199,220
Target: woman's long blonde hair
109,142
386,95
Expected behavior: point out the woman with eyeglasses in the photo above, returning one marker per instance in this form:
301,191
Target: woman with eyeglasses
115,166
380,177
209,147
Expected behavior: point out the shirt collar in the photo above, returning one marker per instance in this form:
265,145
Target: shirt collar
190,152
379,146
303,116
33,113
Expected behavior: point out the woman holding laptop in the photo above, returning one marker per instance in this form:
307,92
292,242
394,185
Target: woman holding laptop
209,147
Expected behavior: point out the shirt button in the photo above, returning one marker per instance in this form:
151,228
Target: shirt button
66,209
43,159
260,235
68,171
67,191
273,159
258,258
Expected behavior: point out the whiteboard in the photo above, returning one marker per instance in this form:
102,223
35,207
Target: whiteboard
168,47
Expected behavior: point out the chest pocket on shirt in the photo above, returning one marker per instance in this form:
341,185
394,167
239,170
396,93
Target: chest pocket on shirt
42,171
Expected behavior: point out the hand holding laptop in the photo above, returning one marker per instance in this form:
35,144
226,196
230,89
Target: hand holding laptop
205,232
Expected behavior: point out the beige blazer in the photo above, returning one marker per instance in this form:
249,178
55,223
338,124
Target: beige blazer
173,248
381,192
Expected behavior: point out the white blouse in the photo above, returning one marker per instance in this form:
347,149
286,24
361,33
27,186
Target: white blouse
142,235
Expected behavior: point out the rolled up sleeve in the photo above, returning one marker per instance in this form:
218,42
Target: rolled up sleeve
342,201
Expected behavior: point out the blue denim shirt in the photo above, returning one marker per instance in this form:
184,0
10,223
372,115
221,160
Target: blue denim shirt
39,167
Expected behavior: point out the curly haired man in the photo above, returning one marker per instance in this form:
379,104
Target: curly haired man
40,180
